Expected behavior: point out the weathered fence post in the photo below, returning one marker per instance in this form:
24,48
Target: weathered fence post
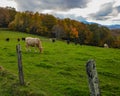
20,69
92,78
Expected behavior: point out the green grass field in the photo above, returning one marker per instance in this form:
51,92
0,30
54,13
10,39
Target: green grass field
58,71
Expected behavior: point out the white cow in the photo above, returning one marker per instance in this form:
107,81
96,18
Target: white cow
106,45
34,42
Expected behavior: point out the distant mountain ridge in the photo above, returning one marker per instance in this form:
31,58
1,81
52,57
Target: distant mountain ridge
117,26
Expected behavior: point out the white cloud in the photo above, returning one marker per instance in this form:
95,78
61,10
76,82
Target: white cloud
4,3
117,3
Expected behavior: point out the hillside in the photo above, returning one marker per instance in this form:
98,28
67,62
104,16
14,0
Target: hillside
58,71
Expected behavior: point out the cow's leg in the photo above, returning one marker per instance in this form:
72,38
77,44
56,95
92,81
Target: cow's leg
27,47
35,49
41,49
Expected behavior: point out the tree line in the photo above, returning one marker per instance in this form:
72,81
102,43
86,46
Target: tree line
51,26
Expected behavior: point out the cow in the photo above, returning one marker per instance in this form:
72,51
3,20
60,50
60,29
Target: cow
23,39
7,39
106,45
68,41
34,42
53,40
18,39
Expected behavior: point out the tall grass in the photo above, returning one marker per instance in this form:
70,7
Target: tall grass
58,71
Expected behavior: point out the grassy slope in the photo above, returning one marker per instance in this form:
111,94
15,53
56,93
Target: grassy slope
60,69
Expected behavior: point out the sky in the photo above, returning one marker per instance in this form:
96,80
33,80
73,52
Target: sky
105,12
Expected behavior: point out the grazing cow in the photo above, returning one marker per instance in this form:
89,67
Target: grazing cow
34,42
53,40
106,45
23,39
18,39
68,41
7,39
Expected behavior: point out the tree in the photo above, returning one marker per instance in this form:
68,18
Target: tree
6,16
73,32
35,24
101,34
49,21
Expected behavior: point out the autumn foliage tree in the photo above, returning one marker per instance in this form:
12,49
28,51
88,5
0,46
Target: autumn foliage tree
101,35
73,32
6,16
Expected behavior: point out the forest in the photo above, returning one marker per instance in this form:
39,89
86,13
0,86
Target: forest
50,26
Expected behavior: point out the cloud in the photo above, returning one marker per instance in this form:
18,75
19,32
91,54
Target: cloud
61,5
107,12
118,8
71,16
24,5
104,12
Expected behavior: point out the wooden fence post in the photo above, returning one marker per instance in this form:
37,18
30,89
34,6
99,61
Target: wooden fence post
20,69
92,78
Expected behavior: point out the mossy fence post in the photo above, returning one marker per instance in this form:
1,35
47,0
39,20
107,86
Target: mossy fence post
20,69
92,78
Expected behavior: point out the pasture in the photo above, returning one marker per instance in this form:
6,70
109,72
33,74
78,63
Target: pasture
58,71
